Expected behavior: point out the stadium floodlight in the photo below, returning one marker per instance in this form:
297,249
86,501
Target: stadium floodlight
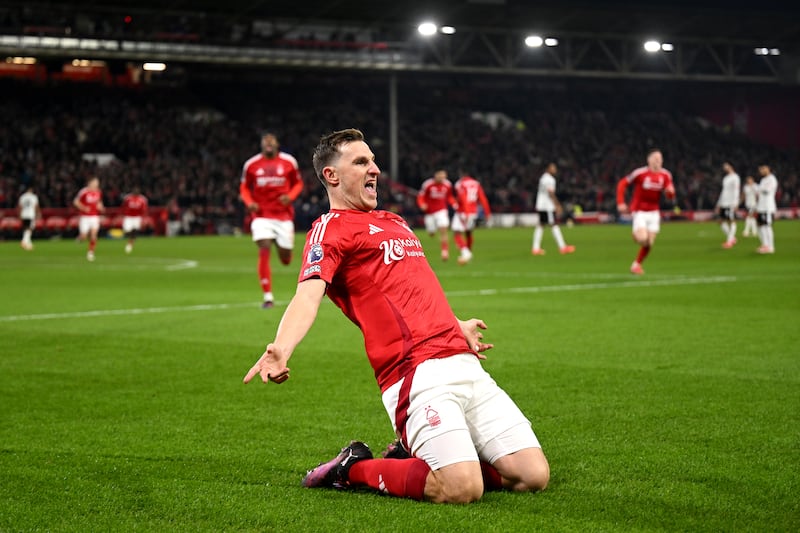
774,52
533,41
447,30
667,47
652,46
427,29
154,67
551,41
760,51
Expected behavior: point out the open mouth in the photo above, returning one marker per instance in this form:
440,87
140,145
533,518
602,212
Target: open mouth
371,186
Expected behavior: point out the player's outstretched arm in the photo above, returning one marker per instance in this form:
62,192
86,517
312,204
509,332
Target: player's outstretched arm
297,320
471,330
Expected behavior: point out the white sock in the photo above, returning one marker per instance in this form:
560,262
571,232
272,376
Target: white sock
558,237
770,237
725,228
537,237
268,296
732,231
762,235
26,236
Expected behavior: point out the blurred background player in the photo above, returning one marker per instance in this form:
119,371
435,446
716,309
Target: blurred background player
469,193
549,209
765,209
750,198
728,203
648,183
269,185
89,202
29,213
433,198
134,208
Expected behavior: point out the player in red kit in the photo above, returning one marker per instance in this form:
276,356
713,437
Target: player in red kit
469,193
648,184
134,209
433,198
464,434
89,201
270,183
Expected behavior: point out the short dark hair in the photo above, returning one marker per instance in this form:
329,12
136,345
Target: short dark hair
654,149
327,150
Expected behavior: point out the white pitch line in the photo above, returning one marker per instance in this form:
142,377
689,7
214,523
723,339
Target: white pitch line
474,292
592,286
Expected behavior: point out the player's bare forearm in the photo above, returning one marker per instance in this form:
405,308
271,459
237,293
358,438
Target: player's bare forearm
297,320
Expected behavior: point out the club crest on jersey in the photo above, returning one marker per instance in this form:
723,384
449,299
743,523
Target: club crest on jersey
432,415
315,254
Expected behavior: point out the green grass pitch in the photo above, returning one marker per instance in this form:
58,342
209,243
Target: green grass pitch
669,402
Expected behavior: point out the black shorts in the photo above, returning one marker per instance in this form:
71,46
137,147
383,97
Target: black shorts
547,217
727,213
764,219
29,223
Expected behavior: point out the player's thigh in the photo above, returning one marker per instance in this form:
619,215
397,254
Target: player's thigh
524,470
456,483
442,219
430,223
261,229
459,223
284,236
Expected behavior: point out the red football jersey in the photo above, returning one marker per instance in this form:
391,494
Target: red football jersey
134,205
264,181
647,188
377,274
436,195
90,199
469,193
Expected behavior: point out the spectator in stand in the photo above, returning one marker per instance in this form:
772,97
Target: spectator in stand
549,210
728,203
648,184
270,183
134,209
89,201
433,199
29,213
469,194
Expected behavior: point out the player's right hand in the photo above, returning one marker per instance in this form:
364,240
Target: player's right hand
252,207
271,366
622,208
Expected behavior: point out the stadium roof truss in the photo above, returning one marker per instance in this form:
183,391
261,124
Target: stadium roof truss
478,51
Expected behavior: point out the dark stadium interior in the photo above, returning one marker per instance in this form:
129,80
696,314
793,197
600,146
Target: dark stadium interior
183,134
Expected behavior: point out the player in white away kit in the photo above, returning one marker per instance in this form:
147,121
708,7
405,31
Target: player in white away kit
549,208
766,208
750,198
728,202
29,212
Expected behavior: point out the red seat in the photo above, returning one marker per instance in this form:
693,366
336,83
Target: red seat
56,223
11,224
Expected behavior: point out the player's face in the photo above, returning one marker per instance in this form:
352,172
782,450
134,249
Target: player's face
763,170
269,145
355,178
93,183
440,176
655,160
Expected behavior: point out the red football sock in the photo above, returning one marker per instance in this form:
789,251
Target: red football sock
459,241
445,246
470,240
492,480
643,251
92,244
404,478
264,274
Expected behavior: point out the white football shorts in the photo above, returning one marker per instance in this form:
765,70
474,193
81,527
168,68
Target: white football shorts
650,220
280,231
88,223
130,224
437,220
464,222
457,413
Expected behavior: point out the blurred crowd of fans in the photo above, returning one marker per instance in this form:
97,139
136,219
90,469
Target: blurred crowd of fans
185,146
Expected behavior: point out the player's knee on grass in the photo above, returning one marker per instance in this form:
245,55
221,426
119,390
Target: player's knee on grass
458,483
524,471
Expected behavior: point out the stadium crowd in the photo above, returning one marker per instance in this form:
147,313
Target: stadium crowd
185,146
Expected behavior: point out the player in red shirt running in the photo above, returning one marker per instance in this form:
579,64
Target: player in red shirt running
89,201
648,184
270,183
464,434
433,198
134,209
469,194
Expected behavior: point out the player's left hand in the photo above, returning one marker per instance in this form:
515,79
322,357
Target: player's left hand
470,329
284,199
